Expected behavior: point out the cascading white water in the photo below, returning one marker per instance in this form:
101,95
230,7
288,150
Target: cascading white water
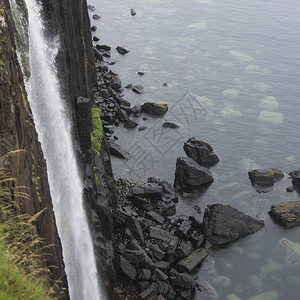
54,131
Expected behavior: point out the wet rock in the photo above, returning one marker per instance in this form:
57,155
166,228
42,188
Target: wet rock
139,257
130,124
153,192
96,17
128,86
116,83
136,109
163,265
190,263
132,12
141,73
96,39
122,50
93,28
154,109
160,234
103,93
98,54
207,291
152,215
91,7
136,229
142,203
197,209
127,268
169,191
103,47
143,285
118,151
153,180
157,253
142,128
286,214
122,115
224,224
170,125
190,174
200,152
123,102
295,175
182,280
150,292
144,274
122,214
139,89
264,179
183,250
160,275
184,229
289,252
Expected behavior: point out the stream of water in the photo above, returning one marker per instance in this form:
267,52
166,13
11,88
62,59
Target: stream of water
54,132
232,74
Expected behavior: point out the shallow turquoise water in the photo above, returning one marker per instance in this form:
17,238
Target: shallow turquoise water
233,74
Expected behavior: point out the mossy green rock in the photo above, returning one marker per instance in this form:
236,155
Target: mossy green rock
269,102
271,117
233,297
221,281
270,295
255,282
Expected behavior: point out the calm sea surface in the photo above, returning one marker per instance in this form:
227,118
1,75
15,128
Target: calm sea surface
232,70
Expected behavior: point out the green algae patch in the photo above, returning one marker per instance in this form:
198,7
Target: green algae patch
231,93
269,102
96,137
261,86
240,56
271,117
229,111
198,26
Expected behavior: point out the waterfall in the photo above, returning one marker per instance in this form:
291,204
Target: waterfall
54,132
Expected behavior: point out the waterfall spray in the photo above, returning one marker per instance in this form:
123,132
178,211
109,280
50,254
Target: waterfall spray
54,131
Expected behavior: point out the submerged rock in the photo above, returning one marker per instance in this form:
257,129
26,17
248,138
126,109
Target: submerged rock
132,12
154,109
122,50
170,125
286,214
189,174
130,124
96,17
118,151
200,152
139,89
224,224
264,179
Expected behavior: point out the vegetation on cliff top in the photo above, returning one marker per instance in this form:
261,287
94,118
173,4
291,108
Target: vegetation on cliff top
23,274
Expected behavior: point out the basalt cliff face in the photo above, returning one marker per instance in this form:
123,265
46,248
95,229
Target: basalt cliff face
28,167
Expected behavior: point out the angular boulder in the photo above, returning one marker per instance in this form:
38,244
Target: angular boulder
286,214
295,175
224,224
264,179
190,174
118,151
200,152
154,109
122,50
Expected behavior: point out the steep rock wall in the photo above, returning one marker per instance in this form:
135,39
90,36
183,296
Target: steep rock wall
17,131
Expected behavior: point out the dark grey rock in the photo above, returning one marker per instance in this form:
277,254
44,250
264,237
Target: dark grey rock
153,192
130,124
150,292
157,253
154,109
183,250
160,275
128,86
200,152
118,151
163,265
190,174
116,83
127,268
192,262
136,229
122,50
142,203
139,257
103,93
143,285
169,191
103,47
136,109
286,214
152,215
144,274
122,115
264,179
98,54
122,101
132,12
142,128
139,89
94,28
91,7
96,17
295,175
122,214
160,234
96,39
224,224
182,280
184,229
170,125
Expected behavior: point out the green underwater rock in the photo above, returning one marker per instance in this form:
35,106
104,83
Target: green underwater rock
229,111
232,93
261,86
255,282
269,102
198,26
221,281
270,295
240,56
271,117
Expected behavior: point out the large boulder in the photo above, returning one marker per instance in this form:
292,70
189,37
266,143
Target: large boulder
224,224
200,152
189,174
264,179
286,214
295,175
154,109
